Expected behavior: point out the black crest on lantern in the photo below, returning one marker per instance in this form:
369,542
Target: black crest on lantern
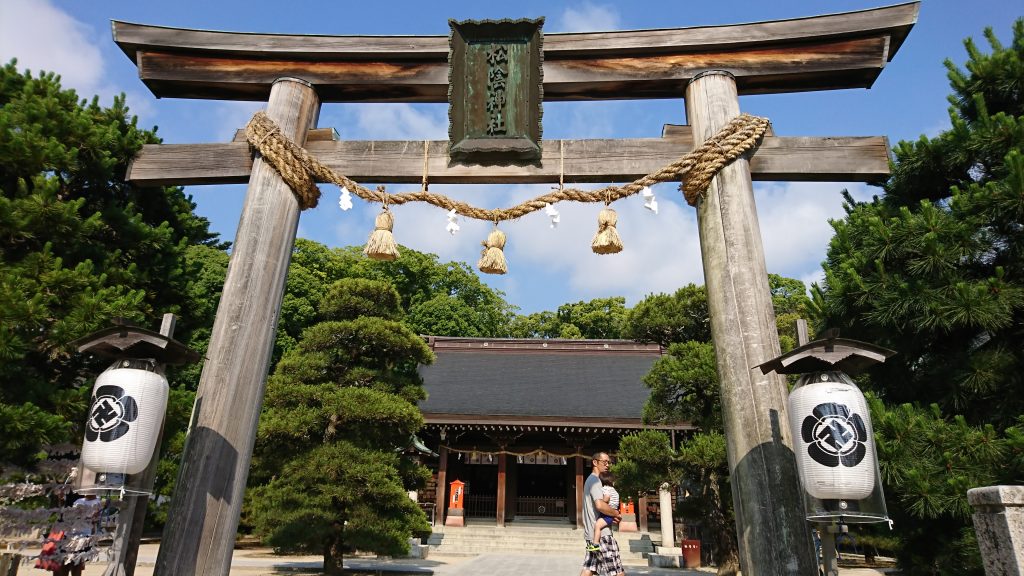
834,435
110,414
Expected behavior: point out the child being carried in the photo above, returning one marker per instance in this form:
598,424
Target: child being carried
611,496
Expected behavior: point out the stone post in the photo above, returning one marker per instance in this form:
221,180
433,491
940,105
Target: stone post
999,523
665,500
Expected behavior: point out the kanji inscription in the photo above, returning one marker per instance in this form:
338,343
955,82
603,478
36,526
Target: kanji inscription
495,91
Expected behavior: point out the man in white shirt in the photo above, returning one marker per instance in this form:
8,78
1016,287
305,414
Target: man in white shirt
606,560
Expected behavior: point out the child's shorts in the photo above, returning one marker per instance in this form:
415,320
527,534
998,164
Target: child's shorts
608,520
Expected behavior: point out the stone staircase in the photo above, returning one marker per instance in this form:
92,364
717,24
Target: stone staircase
526,536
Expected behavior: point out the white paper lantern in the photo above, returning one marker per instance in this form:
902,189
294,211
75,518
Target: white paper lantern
124,422
831,427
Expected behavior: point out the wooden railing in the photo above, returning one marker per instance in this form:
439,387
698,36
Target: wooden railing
481,506
540,506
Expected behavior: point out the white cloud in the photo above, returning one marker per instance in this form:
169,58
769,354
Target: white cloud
794,221
588,17
388,121
42,37
231,116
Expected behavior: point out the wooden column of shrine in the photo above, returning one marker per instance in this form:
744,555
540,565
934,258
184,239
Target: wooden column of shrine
642,513
579,490
743,329
440,504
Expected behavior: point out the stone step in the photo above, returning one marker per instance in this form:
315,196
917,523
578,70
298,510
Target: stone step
537,539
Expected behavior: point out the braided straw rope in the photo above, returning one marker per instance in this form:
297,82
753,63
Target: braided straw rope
301,171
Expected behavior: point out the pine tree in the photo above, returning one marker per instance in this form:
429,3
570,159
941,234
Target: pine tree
934,270
329,475
78,246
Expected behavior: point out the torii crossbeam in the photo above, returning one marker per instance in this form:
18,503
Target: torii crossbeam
708,66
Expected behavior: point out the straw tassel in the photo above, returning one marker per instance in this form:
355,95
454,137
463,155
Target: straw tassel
607,240
492,259
381,245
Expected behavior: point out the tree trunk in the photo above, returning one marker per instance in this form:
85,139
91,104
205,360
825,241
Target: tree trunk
724,530
333,558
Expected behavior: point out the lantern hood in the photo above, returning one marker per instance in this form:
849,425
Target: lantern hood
124,341
828,354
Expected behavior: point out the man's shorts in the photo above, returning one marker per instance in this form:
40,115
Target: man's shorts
605,561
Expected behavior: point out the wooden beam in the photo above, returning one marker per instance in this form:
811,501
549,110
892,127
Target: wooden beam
579,489
317,135
895,21
788,159
827,65
440,503
817,53
642,513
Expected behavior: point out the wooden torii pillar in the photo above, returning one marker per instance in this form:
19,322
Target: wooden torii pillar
713,65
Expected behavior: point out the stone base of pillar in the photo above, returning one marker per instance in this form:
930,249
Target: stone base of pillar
999,523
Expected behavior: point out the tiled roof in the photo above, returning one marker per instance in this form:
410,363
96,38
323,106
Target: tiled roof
593,379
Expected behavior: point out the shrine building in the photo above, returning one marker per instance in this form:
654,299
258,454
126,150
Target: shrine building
517,420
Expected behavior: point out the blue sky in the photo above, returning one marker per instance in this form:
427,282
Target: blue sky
546,267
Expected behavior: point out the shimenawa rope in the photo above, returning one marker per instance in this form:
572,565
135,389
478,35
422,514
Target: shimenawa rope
301,171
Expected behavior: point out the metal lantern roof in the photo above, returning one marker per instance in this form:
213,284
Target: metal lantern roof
850,356
123,341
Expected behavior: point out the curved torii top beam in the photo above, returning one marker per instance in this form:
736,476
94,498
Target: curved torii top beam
845,50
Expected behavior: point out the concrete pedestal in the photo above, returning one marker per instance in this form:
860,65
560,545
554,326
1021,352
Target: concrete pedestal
628,523
417,550
999,523
456,517
666,557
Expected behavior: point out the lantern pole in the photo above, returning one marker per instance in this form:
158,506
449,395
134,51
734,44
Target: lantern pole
132,516
828,548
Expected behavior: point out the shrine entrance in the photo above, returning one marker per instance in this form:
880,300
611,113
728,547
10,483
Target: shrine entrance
541,489
501,73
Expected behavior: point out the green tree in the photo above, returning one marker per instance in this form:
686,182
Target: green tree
684,387
665,319
790,303
928,462
600,318
537,325
645,461
340,407
78,246
440,299
704,459
934,270
421,277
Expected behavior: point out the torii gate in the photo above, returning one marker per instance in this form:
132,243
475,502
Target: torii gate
708,66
